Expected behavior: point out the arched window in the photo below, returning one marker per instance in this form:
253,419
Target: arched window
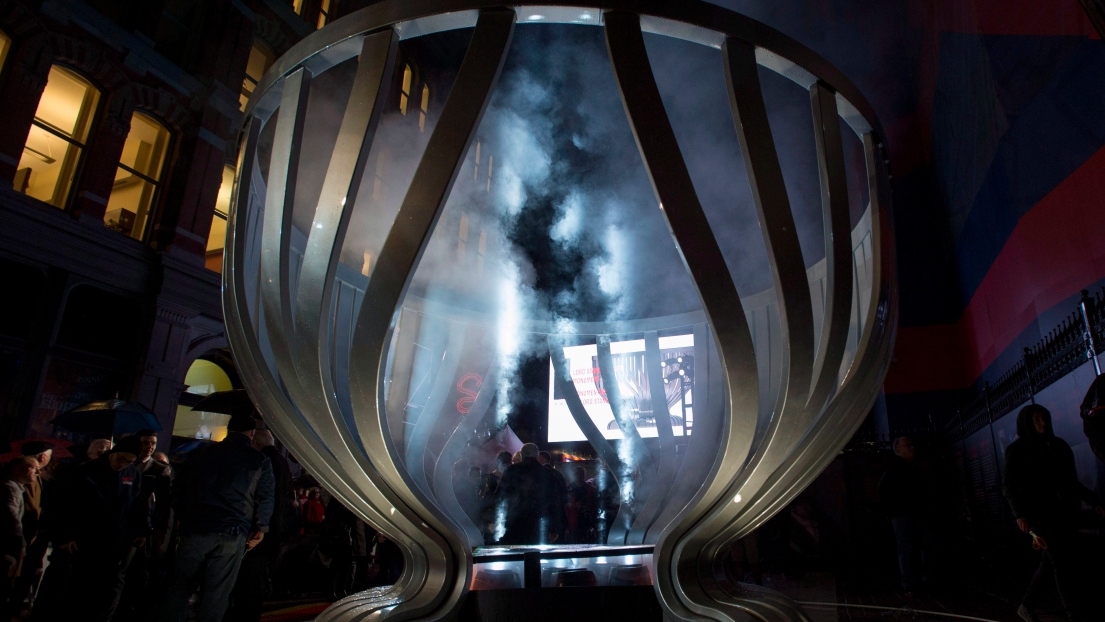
134,193
216,239
5,46
405,90
425,108
462,238
203,378
260,59
56,143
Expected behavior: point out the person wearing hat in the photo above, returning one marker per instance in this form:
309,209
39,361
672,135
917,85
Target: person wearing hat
223,497
97,519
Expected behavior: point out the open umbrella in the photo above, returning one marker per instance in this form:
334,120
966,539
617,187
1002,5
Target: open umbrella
108,417
234,402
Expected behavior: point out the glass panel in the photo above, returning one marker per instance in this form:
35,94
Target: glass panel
324,13
67,104
46,167
132,197
217,237
144,150
128,209
49,163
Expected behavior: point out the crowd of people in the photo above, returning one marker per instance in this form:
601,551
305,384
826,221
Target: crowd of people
526,500
1043,492
118,534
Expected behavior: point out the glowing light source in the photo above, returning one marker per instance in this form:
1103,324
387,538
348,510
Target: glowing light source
737,499
535,17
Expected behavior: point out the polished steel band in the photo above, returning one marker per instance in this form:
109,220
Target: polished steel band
284,348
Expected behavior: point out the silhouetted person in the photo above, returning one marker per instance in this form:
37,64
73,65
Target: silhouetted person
20,473
1043,490
143,570
1093,416
560,501
906,496
388,559
259,563
583,507
223,497
99,517
526,501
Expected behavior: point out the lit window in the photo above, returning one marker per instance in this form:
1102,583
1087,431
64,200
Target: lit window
405,91
379,178
324,13
260,59
462,238
476,171
425,108
5,45
482,252
297,6
135,188
216,239
366,267
203,379
57,139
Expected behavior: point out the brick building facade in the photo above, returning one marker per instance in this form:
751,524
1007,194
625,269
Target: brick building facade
117,144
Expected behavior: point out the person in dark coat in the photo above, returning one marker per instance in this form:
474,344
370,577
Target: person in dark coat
906,496
143,570
259,564
99,516
1042,488
526,499
1093,416
223,497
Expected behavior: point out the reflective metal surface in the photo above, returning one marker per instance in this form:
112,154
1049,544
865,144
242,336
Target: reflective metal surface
327,395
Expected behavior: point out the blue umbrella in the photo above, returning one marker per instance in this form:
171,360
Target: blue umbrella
108,417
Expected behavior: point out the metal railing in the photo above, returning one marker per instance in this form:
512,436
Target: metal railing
1065,348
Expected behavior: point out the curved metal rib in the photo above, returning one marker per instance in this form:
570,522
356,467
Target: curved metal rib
703,259
443,471
666,458
614,397
446,577
838,245
264,389
279,202
563,377
792,289
428,419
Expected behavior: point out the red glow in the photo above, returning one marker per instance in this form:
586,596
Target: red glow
464,404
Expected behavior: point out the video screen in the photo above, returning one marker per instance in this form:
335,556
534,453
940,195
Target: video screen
677,363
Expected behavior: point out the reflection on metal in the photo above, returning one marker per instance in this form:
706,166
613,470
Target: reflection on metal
282,321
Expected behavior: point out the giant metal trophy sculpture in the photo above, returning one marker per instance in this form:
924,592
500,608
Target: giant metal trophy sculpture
317,372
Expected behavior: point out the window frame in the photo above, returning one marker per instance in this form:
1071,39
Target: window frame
166,162
90,122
